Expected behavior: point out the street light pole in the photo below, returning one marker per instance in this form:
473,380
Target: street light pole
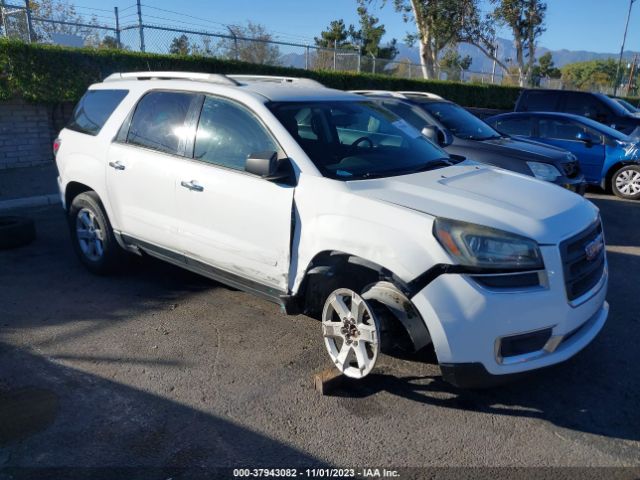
624,39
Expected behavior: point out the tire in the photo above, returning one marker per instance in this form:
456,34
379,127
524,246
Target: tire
92,236
16,232
625,183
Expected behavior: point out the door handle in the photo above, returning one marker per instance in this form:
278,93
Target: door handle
192,185
117,165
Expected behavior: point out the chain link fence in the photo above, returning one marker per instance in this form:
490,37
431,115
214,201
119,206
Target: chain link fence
127,30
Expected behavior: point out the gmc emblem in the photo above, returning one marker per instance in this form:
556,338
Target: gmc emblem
593,248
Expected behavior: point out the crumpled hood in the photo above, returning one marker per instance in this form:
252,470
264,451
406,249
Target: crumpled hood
487,196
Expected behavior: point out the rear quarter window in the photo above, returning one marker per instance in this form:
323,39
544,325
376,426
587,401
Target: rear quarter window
513,125
94,109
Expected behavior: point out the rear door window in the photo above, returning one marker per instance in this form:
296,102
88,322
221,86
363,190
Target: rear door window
514,126
542,101
159,121
94,109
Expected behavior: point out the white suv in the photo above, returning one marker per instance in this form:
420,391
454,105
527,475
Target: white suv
330,205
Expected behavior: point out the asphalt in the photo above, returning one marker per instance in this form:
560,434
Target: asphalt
160,368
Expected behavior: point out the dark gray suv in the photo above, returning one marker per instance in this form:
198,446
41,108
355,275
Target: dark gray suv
461,133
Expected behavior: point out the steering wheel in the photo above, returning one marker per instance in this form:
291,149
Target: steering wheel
362,139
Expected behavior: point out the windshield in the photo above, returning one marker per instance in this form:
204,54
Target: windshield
350,140
460,122
612,104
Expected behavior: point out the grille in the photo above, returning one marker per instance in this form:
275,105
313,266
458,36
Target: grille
571,169
580,273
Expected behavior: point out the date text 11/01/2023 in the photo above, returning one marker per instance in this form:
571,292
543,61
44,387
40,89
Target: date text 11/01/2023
316,472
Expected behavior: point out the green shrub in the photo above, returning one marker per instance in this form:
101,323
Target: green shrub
51,74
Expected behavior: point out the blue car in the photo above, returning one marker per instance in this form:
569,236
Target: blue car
607,157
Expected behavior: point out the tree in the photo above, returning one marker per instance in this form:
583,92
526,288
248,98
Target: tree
544,69
180,45
52,10
370,34
591,75
454,63
525,18
251,45
109,42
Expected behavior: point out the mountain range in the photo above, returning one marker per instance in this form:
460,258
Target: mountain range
480,62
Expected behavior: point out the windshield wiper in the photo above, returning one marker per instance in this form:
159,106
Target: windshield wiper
432,165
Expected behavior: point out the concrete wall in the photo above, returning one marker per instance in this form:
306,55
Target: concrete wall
27,132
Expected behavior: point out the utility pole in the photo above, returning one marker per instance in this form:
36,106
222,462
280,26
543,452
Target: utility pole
115,11
493,70
29,23
236,53
335,47
140,27
4,19
624,39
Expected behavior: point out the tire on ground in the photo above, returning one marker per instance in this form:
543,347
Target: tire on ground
112,256
16,232
626,177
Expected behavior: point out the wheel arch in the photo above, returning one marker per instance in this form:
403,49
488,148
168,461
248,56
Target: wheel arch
72,190
605,183
384,288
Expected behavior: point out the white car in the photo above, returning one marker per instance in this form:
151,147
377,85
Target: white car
330,205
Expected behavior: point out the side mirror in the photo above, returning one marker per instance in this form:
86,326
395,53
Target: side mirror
267,166
584,137
437,135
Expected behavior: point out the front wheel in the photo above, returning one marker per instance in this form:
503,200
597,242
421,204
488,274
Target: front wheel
92,236
625,183
351,333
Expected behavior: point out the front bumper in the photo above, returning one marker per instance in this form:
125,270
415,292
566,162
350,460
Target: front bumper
577,184
467,321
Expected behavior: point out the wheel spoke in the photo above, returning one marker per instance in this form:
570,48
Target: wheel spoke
85,219
368,333
84,234
332,329
357,308
340,307
362,357
98,247
342,356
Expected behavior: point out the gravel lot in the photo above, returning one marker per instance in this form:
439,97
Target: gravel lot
158,367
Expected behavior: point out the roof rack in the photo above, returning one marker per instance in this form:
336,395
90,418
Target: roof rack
380,93
423,94
200,77
298,81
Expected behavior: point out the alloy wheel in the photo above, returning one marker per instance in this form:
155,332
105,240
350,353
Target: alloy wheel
350,332
90,235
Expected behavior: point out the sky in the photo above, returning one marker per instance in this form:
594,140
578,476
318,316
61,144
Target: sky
593,25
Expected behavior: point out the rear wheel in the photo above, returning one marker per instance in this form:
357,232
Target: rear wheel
351,332
625,183
92,235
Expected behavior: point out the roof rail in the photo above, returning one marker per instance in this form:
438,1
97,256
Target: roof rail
380,93
196,76
423,94
298,81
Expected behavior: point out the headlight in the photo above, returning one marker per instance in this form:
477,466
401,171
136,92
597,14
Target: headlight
484,247
544,171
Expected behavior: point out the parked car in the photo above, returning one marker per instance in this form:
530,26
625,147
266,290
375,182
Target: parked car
460,132
628,106
607,157
595,106
327,204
